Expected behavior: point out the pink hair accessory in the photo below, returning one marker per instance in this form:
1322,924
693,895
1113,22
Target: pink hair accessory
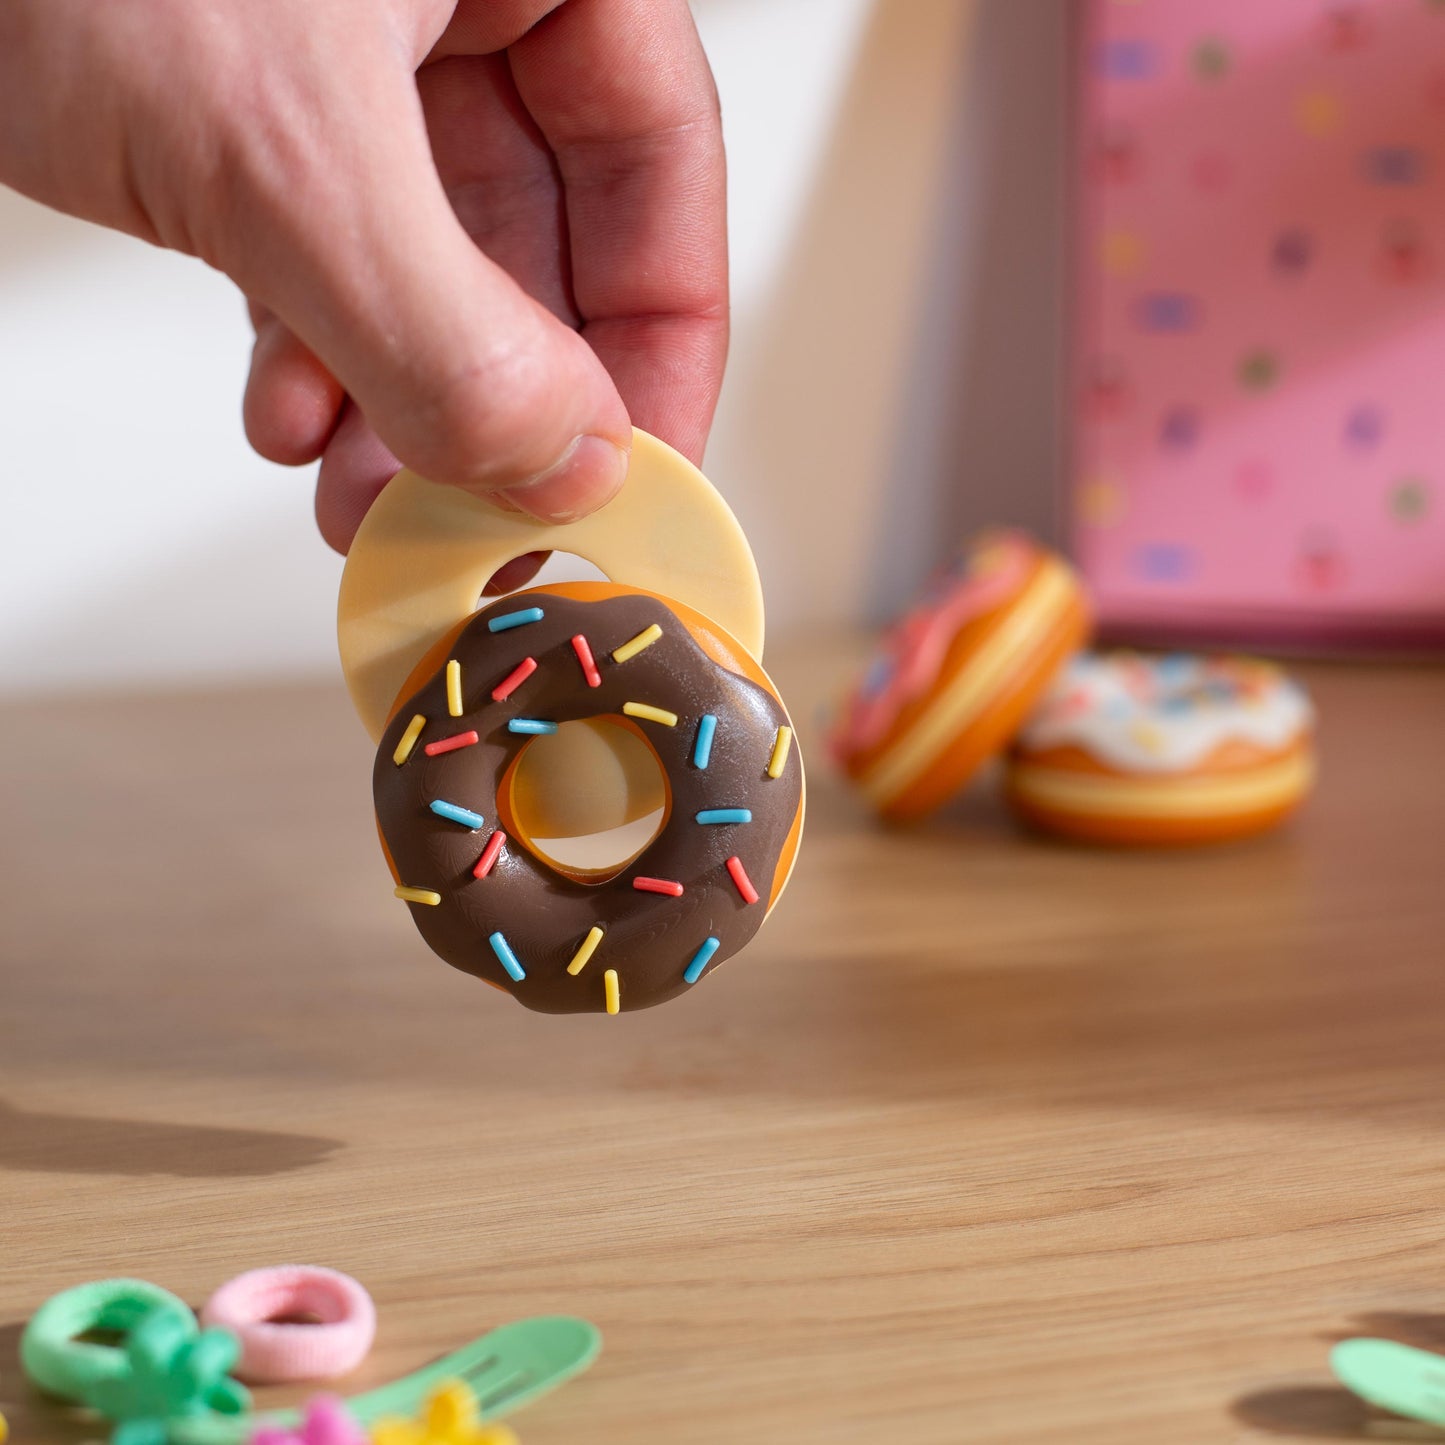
326,1423
266,1308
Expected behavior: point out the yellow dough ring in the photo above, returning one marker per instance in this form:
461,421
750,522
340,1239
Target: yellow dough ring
414,579
424,553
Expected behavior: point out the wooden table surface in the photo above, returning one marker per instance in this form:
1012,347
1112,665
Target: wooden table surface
984,1140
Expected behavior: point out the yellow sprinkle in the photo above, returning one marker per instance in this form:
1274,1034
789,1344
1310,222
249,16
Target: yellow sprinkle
585,951
634,645
652,714
780,752
609,981
408,740
454,688
419,895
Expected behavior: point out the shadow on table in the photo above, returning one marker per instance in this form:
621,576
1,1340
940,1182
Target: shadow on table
1323,1412
77,1144
1327,1412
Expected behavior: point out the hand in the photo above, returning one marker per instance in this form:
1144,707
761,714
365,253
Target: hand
481,236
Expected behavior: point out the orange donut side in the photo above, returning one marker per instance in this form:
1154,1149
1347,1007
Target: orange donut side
721,647
989,734
1028,676
1232,761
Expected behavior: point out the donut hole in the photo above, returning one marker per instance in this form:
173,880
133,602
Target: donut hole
587,800
538,569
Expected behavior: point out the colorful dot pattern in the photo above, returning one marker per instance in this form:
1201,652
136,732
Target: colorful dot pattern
1260,343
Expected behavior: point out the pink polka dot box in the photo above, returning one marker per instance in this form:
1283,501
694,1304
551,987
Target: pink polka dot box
1259,351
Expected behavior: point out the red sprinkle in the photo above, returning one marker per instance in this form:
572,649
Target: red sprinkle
658,885
490,853
450,745
740,878
589,664
514,679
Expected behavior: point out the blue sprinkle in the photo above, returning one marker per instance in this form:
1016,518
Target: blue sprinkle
702,748
700,959
508,620
464,816
530,725
507,958
725,815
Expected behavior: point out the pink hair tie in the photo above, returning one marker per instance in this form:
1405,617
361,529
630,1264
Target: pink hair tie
267,1308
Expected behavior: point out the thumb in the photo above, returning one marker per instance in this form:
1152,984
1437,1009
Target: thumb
348,236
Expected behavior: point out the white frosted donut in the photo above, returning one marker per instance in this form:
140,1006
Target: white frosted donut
1182,748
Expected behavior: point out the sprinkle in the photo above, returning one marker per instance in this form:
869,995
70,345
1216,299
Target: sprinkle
507,958
589,664
531,725
509,620
514,679
700,960
419,895
640,643
490,853
585,950
725,815
652,714
450,745
408,740
658,885
454,688
783,742
740,878
702,748
464,816
609,982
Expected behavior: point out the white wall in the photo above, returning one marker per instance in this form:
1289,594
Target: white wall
877,243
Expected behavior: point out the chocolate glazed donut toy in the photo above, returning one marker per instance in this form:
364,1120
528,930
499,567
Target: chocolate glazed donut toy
635,709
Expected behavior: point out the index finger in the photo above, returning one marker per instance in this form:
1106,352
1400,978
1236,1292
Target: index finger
622,91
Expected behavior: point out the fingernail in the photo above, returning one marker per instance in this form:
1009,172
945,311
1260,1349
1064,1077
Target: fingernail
587,475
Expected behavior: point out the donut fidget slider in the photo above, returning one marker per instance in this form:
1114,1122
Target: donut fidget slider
568,711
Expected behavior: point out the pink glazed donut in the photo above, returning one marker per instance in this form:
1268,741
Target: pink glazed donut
259,1305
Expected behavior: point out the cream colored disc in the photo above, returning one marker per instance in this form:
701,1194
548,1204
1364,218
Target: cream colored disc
424,553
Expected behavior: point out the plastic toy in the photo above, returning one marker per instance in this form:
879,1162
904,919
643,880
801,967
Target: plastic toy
450,1417
256,1305
1164,750
506,1369
326,1422
1395,1377
175,1371
955,677
572,711
55,1357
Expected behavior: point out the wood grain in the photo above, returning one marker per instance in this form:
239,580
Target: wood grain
985,1139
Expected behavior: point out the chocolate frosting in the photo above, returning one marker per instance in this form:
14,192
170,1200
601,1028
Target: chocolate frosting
544,916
